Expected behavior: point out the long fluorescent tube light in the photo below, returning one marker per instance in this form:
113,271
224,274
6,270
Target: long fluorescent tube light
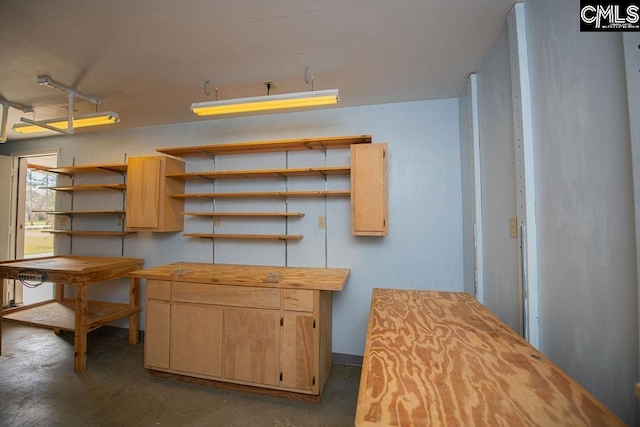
269,102
81,121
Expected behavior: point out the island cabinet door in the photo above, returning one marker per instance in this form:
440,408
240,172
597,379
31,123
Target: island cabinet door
252,346
156,338
196,339
298,367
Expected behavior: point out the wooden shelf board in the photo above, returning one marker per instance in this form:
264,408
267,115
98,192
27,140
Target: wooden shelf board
70,170
62,314
245,236
263,194
82,212
91,187
91,233
246,214
264,173
267,146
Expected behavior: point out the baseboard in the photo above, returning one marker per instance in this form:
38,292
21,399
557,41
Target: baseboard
347,359
338,358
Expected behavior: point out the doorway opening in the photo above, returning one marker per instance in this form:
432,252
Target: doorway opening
34,220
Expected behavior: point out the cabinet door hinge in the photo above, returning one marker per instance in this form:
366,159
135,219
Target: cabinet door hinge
313,381
314,323
280,376
281,324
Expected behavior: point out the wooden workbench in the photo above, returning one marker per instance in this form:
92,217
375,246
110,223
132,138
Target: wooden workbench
443,359
78,314
252,328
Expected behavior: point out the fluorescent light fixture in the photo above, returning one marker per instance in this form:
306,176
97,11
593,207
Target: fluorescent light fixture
269,102
81,121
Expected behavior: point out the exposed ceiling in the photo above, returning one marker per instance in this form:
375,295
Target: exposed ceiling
148,60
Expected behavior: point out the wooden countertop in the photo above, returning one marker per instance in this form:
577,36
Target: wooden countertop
323,279
443,359
69,264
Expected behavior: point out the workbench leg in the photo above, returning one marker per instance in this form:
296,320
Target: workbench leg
80,330
59,296
134,318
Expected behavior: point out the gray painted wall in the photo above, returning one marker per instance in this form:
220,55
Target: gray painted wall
587,259
424,246
501,289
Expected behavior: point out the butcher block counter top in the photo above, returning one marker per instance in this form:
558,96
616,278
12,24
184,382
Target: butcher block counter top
322,279
443,359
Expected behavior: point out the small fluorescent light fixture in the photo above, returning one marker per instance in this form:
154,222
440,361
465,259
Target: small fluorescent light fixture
81,121
269,102
66,125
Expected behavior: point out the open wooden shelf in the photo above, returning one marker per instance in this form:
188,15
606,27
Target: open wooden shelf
245,236
70,170
52,314
70,213
89,187
90,233
264,173
246,214
264,194
267,146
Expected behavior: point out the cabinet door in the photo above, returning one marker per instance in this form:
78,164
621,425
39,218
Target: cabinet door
297,351
369,198
143,192
252,346
196,339
156,338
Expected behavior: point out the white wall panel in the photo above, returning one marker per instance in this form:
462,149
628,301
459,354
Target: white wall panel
584,186
497,166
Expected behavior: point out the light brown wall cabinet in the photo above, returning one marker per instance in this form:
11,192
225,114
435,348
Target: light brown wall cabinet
149,203
256,334
369,190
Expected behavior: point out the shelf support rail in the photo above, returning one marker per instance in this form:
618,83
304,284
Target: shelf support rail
286,209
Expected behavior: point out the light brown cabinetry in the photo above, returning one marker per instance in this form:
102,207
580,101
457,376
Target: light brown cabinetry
196,339
248,325
149,202
156,342
252,346
369,192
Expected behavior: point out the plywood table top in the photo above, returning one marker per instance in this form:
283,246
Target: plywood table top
323,279
443,359
70,263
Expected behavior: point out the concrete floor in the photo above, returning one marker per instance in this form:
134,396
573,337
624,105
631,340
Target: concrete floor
39,388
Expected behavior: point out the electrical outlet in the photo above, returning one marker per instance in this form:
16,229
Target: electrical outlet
322,222
216,221
62,221
119,221
513,226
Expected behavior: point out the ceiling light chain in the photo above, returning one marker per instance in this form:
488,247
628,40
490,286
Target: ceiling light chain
207,91
306,79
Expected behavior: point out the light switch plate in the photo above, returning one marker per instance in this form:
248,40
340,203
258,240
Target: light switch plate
513,226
